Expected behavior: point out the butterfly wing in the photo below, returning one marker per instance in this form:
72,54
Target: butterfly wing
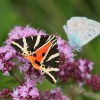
34,48
51,61
28,44
81,30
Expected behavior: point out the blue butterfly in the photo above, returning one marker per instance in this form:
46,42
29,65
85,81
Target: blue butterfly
80,31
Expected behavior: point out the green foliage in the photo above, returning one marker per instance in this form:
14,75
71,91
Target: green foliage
7,82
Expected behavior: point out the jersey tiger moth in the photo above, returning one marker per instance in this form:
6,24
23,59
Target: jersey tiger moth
42,52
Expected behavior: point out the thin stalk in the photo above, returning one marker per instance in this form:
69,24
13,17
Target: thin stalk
17,79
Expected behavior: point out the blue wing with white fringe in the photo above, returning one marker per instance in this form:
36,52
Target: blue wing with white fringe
80,31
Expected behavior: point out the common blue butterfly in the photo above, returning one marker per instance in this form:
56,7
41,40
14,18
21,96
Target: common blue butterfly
80,31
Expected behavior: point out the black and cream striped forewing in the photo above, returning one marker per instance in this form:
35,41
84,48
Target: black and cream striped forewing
29,45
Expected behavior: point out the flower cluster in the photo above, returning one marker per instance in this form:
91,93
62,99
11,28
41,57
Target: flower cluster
20,32
6,65
54,94
65,49
27,91
79,70
5,93
94,83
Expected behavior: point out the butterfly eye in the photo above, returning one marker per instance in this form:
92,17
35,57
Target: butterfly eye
34,55
43,54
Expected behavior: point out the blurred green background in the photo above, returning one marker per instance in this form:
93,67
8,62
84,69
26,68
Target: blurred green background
50,15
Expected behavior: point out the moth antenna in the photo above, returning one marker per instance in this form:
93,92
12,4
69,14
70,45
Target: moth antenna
53,29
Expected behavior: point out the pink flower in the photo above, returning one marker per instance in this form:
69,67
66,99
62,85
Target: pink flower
15,95
20,32
26,91
5,93
6,65
55,94
83,64
79,70
65,49
34,94
94,83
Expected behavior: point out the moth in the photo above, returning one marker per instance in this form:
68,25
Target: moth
80,31
42,52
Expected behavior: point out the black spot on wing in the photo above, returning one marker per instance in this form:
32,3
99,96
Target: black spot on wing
43,54
37,62
34,54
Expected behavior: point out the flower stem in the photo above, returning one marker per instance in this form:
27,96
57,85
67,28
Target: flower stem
73,92
17,79
82,93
